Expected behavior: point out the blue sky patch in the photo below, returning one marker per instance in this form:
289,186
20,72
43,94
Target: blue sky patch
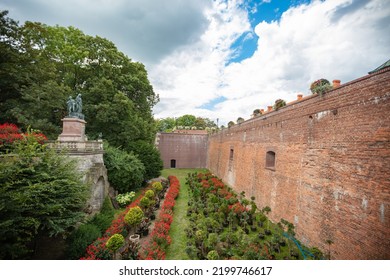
245,46
210,105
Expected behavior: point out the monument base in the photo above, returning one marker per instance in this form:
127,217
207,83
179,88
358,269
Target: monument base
73,129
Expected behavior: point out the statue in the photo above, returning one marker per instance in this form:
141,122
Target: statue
75,107
71,105
79,104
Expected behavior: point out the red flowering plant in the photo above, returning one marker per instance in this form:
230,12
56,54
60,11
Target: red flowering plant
10,134
97,250
160,239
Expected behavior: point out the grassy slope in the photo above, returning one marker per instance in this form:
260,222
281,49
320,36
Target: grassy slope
176,250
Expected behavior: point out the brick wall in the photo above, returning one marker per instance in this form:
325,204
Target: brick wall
332,166
186,150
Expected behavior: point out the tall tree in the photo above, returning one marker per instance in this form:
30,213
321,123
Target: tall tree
45,64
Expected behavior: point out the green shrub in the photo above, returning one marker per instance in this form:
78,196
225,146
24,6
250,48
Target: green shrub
157,187
279,103
125,171
144,202
134,216
102,221
115,242
79,240
107,206
320,86
149,194
40,191
213,255
149,156
124,199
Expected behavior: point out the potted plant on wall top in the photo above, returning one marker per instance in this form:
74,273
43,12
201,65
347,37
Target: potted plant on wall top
320,86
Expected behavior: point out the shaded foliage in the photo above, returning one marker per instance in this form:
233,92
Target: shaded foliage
40,191
125,171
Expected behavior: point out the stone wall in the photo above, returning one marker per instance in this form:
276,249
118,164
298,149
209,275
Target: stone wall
331,175
180,150
89,156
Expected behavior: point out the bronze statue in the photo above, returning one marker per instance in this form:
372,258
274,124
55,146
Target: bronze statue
75,107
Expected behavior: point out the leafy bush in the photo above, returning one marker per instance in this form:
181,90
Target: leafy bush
115,242
279,103
134,216
157,187
125,171
125,198
103,219
145,202
80,239
149,156
149,194
212,255
39,191
320,86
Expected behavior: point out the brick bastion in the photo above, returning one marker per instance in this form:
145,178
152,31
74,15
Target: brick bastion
322,163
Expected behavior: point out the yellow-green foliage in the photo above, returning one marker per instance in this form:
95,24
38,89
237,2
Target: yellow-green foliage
149,194
115,242
157,187
145,202
134,216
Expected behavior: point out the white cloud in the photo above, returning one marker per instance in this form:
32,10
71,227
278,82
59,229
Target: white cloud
185,46
191,76
146,30
323,39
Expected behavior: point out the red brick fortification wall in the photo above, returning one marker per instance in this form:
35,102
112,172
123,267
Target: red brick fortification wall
332,166
188,150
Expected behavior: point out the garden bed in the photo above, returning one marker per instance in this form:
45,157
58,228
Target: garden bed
227,225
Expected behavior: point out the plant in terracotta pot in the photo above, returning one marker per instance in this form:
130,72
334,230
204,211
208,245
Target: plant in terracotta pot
320,86
279,103
256,112
114,243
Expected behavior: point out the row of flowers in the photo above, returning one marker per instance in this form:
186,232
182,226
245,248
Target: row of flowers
158,244
97,250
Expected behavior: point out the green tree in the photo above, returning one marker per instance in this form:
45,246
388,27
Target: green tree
125,171
42,65
186,120
40,192
165,125
150,157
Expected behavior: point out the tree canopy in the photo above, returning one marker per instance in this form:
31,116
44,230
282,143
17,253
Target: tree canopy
42,65
185,121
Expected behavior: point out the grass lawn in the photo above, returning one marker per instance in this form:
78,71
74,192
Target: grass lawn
176,250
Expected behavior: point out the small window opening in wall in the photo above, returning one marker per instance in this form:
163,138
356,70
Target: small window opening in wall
173,163
231,154
270,160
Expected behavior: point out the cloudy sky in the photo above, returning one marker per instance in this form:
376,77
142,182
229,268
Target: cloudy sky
224,58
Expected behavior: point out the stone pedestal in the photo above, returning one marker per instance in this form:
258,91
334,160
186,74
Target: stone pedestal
73,129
